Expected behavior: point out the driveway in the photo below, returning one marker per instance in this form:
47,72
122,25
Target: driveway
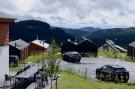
93,63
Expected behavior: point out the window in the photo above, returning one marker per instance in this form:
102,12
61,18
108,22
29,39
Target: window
104,67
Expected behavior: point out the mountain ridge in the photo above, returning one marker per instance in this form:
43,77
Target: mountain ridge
29,29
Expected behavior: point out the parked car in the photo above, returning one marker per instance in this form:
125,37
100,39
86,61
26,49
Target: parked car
112,73
13,60
72,56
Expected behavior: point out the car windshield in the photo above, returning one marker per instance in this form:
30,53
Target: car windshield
12,58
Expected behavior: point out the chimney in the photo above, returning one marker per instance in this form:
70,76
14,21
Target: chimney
37,37
15,45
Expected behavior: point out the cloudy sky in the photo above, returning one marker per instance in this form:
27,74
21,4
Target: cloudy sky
73,13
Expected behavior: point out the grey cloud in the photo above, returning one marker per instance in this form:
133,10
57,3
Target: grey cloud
109,4
89,12
7,4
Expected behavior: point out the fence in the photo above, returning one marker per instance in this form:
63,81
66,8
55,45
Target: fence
83,72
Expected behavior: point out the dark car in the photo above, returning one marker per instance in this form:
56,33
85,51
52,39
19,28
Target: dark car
112,73
72,56
13,60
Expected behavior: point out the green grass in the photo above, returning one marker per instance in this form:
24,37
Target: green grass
118,55
14,69
73,81
34,58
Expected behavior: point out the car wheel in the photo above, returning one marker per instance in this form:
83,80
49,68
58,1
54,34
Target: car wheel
70,59
126,78
116,78
101,76
97,75
121,78
125,81
11,64
108,77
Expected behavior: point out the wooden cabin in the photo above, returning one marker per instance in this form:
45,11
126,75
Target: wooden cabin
83,46
86,46
38,46
109,45
20,48
68,46
131,50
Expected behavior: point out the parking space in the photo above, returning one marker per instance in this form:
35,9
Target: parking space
93,63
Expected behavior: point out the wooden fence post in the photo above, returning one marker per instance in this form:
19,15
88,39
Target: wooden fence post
86,73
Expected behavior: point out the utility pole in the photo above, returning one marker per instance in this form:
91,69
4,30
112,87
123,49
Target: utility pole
43,49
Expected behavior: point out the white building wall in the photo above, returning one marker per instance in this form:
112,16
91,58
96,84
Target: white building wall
4,61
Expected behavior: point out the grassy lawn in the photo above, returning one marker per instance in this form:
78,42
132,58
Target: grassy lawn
14,69
34,59
38,58
107,54
73,81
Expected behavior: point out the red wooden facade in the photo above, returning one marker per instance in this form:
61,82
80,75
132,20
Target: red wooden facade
4,30
24,53
36,49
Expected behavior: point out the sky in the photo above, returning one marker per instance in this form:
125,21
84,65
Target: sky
73,13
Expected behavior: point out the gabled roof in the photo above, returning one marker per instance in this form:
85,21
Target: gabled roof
6,20
132,44
114,46
110,42
41,43
19,44
120,48
69,41
85,39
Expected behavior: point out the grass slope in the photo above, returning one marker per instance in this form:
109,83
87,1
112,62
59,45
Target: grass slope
73,81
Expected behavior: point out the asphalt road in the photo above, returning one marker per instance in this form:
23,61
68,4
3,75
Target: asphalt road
93,63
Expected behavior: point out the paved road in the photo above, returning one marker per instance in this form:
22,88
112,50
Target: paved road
93,63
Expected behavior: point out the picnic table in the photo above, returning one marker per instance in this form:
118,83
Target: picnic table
29,72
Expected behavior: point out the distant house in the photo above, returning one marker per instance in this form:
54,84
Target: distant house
87,46
19,48
131,50
68,46
38,46
82,46
4,48
111,46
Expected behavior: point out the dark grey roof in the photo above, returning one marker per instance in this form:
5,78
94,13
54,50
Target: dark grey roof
132,44
84,39
69,41
19,44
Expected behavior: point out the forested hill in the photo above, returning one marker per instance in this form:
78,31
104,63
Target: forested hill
29,29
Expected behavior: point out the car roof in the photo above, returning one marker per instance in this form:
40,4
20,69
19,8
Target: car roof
74,52
13,56
115,66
